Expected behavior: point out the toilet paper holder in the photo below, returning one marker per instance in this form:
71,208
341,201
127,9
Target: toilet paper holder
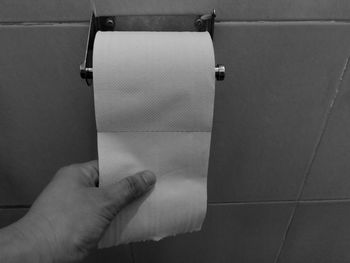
198,23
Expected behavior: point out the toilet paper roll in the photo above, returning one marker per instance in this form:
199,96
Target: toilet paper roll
154,99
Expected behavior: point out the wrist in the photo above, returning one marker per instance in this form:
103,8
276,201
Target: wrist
18,243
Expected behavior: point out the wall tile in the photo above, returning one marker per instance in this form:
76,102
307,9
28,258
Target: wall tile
279,81
233,9
44,10
231,233
329,176
319,233
10,215
270,108
228,10
46,110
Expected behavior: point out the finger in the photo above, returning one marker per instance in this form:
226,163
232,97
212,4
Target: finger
93,164
91,172
127,190
82,174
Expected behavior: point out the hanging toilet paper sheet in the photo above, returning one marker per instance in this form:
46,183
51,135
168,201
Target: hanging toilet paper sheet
154,99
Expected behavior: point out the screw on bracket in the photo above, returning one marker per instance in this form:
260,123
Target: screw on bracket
109,22
199,23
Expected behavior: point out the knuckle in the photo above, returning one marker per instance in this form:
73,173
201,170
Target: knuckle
64,170
69,168
86,167
88,171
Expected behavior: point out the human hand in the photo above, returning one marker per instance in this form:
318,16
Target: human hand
70,216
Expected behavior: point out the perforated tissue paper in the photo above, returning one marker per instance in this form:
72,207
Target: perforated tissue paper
154,99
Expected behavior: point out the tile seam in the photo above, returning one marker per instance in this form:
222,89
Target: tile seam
252,203
286,21
282,202
323,127
270,202
285,234
43,24
313,155
253,21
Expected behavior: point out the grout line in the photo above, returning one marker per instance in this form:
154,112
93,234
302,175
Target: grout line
287,21
284,237
281,202
324,201
313,157
145,131
254,202
345,68
256,21
323,128
270,202
46,23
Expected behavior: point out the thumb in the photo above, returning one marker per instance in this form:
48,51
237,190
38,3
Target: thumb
127,190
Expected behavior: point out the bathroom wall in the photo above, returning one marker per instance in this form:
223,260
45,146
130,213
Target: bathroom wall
279,175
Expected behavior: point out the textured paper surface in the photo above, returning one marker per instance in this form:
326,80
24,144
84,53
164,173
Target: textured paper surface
154,96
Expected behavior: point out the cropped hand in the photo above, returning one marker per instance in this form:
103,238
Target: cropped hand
70,216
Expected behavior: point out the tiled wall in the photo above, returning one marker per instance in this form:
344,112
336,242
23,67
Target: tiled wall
279,175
